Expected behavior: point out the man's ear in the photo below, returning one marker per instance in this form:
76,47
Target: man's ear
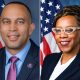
31,29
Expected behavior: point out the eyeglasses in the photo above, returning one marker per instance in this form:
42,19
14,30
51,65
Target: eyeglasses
67,30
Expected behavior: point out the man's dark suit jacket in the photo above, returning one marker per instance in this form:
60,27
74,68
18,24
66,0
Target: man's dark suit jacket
30,68
72,72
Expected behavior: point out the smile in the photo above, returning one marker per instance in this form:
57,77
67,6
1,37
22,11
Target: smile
64,43
13,37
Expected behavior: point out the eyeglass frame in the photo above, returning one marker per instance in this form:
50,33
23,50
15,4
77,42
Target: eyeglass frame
64,29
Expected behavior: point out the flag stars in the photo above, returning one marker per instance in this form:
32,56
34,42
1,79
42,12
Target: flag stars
41,25
41,9
41,34
42,1
41,17
57,6
45,29
50,3
3,6
47,20
55,14
48,12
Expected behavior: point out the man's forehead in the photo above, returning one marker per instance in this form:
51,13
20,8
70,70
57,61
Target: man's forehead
14,9
12,5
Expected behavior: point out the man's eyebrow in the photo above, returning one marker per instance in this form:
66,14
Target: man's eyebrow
2,19
20,19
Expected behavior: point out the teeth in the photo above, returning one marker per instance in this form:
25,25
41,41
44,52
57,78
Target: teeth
64,43
12,38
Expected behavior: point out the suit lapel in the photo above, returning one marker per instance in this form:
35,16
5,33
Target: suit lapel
28,64
26,70
54,58
71,69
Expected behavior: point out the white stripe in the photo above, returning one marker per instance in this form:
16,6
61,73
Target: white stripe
41,48
52,43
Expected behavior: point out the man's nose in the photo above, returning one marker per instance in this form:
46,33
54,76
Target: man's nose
13,27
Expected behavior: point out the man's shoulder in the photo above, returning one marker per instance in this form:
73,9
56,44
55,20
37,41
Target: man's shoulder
2,51
33,45
34,49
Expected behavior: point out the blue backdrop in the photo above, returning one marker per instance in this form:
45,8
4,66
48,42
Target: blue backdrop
70,2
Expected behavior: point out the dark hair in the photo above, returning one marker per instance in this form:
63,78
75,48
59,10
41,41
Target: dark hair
73,10
16,2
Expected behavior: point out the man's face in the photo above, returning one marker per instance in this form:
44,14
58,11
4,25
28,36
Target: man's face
67,42
16,26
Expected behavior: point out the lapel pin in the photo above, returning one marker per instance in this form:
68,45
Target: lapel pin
30,65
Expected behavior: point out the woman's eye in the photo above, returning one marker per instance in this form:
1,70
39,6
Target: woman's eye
58,30
69,30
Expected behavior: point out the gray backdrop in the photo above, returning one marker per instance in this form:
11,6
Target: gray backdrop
34,6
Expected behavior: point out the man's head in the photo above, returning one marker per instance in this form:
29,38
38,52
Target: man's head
16,25
67,29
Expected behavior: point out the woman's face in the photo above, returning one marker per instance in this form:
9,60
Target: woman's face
67,42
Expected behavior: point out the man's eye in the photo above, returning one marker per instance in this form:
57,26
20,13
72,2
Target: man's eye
5,22
20,22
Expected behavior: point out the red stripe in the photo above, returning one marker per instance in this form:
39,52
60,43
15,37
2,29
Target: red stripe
41,58
1,45
53,34
46,48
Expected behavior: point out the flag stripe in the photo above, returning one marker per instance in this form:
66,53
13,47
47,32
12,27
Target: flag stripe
41,57
46,47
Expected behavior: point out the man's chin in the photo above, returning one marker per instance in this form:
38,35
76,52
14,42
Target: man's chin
12,46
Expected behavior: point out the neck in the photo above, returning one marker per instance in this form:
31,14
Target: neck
13,52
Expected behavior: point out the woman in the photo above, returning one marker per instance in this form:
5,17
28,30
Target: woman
66,64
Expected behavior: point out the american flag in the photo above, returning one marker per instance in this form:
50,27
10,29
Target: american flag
1,7
48,11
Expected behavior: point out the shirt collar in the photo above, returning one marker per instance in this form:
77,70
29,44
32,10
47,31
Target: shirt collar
21,54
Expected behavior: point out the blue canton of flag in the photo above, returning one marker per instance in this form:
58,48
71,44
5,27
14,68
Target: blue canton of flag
1,5
48,9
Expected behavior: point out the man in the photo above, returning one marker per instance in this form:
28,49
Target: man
65,65
19,60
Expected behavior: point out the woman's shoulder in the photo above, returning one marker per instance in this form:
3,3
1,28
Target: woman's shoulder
53,55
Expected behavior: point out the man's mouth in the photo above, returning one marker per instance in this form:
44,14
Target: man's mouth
13,37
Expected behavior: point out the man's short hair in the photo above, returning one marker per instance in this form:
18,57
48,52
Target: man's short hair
16,2
73,10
